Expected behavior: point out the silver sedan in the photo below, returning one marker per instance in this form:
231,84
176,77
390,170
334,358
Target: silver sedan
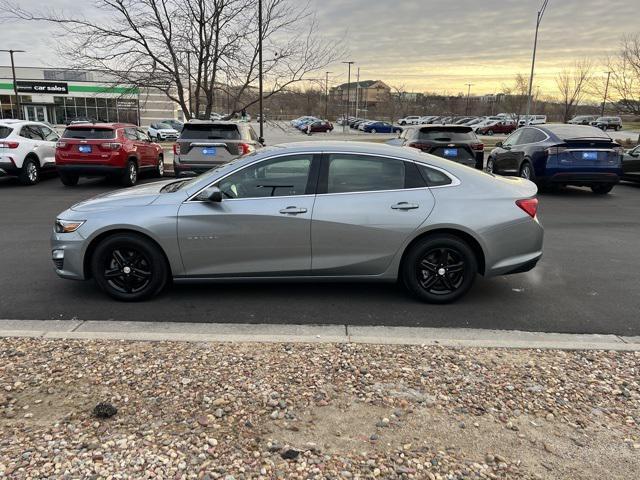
317,211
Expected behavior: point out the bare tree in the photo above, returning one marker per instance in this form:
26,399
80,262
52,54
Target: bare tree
515,95
572,86
191,50
624,85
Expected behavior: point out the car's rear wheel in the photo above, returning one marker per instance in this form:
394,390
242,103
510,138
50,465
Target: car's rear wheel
439,269
526,171
159,170
30,172
490,165
129,267
130,175
490,133
69,179
373,130
601,188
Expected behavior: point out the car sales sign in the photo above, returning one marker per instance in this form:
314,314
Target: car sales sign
42,87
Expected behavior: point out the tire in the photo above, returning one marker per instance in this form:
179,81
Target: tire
490,165
373,130
158,172
526,171
30,172
601,188
403,123
69,179
424,264
130,174
129,267
490,133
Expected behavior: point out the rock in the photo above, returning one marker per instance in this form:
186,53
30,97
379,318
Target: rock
219,413
212,441
203,420
290,454
104,410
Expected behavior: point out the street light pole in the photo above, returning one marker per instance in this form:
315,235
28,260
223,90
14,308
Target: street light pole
606,91
469,85
358,91
533,59
326,96
348,89
261,138
15,84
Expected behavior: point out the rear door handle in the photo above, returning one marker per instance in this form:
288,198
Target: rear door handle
293,210
405,206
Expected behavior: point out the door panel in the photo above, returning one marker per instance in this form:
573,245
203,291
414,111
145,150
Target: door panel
246,236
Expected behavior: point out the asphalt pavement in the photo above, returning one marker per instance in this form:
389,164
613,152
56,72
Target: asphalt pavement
587,282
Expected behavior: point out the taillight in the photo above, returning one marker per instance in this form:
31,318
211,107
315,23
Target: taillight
478,147
555,150
246,148
176,148
111,146
61,145
9,144
529,205
420,146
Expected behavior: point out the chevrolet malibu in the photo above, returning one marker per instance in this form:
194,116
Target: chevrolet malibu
316,211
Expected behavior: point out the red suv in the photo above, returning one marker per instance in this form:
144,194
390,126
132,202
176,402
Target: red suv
117,150
499,126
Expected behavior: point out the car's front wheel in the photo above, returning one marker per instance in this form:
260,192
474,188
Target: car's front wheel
490,165
601,188
129,267
439,269
373,130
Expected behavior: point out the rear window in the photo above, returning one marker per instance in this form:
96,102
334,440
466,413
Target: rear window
88,133
447,134
577,131
210,132
5,131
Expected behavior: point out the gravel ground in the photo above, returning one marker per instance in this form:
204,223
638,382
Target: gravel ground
296,411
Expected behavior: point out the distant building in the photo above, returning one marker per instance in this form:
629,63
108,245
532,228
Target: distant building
369,92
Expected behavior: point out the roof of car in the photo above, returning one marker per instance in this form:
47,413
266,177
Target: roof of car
563,131
212,122
101,125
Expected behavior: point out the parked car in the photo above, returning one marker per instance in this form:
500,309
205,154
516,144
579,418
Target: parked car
118,150
583,120
162,132
410,120
77,120
175,124
475,121
606,123
362,124
631,165
451,142
560,155
496,126
381,127
26,148
433,224
427,119
532,120
203,145
296,122
319,126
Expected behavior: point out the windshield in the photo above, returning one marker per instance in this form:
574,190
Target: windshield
164,125
210,132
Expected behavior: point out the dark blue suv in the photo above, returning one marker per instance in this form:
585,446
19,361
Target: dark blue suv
560,155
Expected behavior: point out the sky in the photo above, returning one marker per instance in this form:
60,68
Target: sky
428,45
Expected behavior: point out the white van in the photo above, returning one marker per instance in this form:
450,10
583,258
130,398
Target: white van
532,120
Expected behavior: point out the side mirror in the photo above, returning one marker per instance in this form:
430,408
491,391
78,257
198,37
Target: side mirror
211,194
499,144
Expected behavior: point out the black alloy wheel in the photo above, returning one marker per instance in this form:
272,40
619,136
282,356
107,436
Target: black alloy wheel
440,269
129,267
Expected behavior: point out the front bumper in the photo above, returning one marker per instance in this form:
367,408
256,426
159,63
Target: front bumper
67,254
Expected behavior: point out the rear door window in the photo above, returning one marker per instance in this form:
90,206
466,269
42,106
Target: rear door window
48,134
131,134
210,132
363,173
89,133
31,132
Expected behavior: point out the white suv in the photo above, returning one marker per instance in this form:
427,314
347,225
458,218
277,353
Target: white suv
410,120
25,149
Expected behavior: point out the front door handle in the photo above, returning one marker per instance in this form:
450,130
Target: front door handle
293,210
405,206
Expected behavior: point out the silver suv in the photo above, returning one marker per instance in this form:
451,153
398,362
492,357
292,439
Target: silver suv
205,144
605,123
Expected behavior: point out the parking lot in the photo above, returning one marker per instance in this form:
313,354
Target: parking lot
587,281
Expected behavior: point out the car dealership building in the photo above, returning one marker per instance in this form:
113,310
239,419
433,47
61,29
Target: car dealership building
59,96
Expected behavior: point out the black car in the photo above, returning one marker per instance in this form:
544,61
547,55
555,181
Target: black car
605,123
453,142
631,165
560,155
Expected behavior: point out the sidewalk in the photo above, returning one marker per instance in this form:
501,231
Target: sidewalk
223,332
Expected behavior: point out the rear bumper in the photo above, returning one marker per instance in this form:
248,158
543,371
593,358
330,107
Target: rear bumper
7,167
588,178
90,170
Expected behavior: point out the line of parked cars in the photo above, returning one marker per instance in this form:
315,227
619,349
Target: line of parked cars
369,126
309,125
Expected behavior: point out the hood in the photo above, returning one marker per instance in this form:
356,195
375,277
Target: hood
138,196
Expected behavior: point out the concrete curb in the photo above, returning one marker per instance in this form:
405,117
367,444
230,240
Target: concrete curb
221,332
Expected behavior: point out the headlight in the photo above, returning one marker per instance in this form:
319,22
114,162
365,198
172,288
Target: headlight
68,226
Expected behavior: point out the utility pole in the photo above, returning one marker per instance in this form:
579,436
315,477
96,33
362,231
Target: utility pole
15,84
469,85
357,91
261,137
326,96
606,91
533,59
346,116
